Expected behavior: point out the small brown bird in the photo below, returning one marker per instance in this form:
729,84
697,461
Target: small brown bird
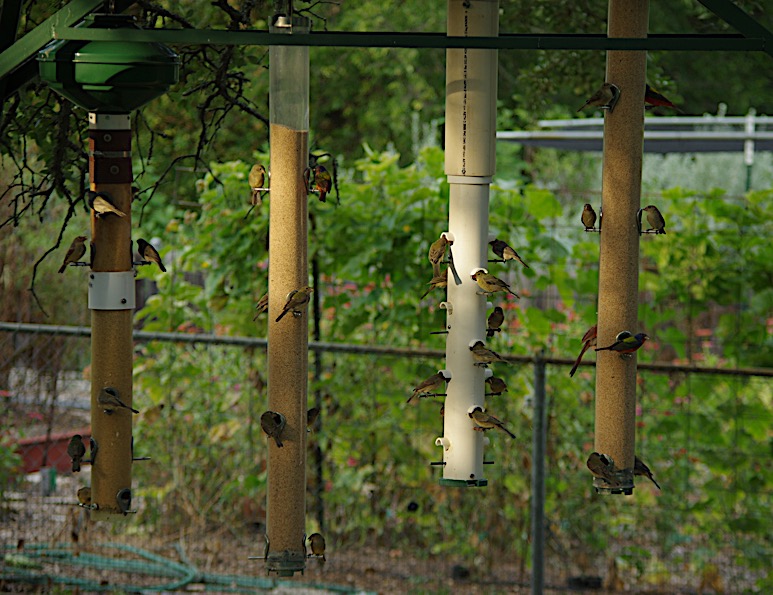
588,217
429,386
311,416
75,252
483,356
655,219
262,306
605,98
496,386
102,204
494,323
108,397
84,495
76,451
323,183
317,543
437,282
295,299
149,254
484,421
506,252
588,341
437,252
639,468
257,179
602,467
491,284
273,424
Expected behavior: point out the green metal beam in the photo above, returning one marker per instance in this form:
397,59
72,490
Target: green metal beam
419,40
739,20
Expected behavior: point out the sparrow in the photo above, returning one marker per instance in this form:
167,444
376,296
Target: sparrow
108,397
311,416
588,217
627,344
655,219
602,467
257,179
101,203
437,252
262,306
654,99
491,284
605,98
484,421
506,252
494,323
438,281
639,468
317,543
273,423
295,299
75,252
496,385
322,182
149,254
76,451
484,356
84,495
588,341
429,386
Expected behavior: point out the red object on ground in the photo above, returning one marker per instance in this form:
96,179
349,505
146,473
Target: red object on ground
34,449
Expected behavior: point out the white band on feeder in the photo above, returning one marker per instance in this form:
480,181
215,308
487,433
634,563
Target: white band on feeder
474,180
111,291
99,121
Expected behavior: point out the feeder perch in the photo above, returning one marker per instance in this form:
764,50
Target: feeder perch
444,442
437,463
449,307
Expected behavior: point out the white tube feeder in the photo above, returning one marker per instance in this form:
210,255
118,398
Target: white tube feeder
471,92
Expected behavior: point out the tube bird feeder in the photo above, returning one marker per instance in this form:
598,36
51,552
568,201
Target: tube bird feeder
615,427
471,92
288,338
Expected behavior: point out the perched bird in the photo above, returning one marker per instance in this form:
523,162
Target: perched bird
311,416
295,299
124,500
605,98
602,467
108,397
317,543
262,306
438,281
483,356
491,284
588,217
102,204
654,99
149,254
588,341
429,386
627,344
84,495
639,468
273,423
437,252
655,219
75,252
506,252
257,179
76,451
496,385
322,182
494,323
484,421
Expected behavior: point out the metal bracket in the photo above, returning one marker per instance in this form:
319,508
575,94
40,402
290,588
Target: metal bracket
111,291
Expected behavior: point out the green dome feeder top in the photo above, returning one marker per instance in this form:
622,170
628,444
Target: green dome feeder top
112,77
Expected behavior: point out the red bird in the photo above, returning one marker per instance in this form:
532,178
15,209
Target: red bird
588,340
653,99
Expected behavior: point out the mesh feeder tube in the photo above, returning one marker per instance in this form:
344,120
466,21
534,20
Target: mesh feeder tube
615,428
288,271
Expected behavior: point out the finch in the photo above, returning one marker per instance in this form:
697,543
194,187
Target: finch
317,543
588,341
429,386
75,252
102,204
625,345
496,385
76,451
605,98
506,252
491,284
483,356
262,306
602,467
108,397
84,495
322,182
655,219
494,323
588,217
639,468
437,252
257,179
149,254
273,423
484,421
654,99
438,281
311,416
295,299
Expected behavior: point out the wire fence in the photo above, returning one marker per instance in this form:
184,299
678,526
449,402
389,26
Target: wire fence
371,489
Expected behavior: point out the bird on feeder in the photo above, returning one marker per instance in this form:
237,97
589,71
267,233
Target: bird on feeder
76,451
257,181
102,204
483,356
295,299
484,421
439,281
639,468
653,98
273,423
588,217
491,284
494,322
605,98
84,496
74,253
311,416
506,252
149,254
317,543
588,341
437,251
261,306
626,344
655,219
323,183
496,385
602,467
108,397
429,386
